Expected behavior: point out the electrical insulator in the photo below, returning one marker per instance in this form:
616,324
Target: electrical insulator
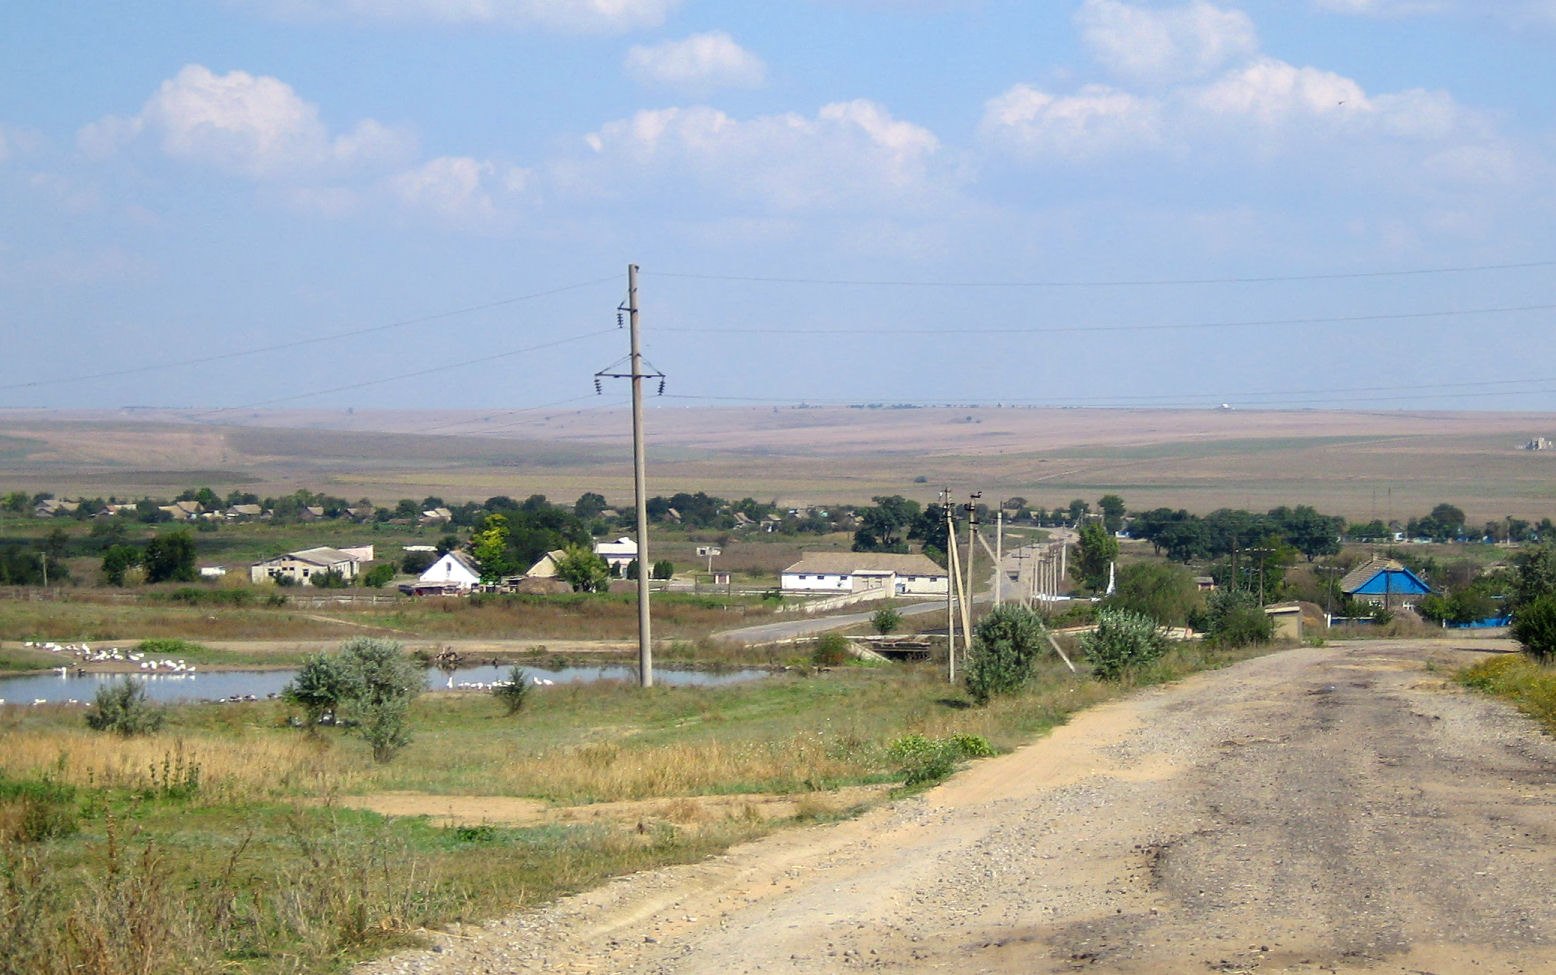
598,391
618,320
661,387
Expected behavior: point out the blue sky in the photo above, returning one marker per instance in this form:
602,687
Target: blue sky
432,203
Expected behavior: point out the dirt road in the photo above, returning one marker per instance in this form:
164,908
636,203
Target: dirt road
1319,810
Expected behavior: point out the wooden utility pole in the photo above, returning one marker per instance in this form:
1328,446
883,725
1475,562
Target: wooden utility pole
640,485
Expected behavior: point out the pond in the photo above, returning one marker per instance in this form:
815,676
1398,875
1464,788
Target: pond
220,685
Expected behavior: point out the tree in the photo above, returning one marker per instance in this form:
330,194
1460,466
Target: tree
1005,646
1164,592
886,620
513,692
663,569
383,681
321,684
1096,551
1112,507
1235,619
582,569
489,546
17,502
122,708
170,558
932,533
1122,641
589,505
379,575
1309,532
1534,626
117,561
885,527
1535,570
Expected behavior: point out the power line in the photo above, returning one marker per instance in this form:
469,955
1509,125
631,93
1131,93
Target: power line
407,375
1114,283
299,343
1170,326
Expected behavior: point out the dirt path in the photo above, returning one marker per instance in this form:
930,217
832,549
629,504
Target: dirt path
1320,810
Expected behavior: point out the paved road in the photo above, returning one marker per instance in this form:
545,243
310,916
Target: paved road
1319,810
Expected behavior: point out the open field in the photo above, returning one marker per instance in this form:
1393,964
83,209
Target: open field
1363,465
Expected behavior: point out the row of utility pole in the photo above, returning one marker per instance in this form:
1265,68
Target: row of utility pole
1048,570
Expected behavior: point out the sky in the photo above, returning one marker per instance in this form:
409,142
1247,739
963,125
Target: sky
238,205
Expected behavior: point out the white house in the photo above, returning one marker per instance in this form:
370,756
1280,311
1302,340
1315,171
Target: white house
454,571
302,567
897,575
619,554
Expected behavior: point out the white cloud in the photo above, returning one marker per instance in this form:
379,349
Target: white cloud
1270,93
249,125
582,16
461,191
848,154
1157,45
1097,121
1385,8
701,62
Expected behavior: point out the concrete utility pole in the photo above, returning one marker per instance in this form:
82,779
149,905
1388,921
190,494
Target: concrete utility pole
640,484
950,586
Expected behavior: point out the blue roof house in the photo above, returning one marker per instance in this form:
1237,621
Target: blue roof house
1384,582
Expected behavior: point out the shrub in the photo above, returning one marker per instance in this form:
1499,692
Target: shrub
320,686
512,692
33,811
925,761
1122,640
831,650
1005,645
369,683
122,708
1534,627
886,620
383,681
379,575
1235,619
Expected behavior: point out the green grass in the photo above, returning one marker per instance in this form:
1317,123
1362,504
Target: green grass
1519,680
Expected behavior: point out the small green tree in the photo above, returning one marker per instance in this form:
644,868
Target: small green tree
831,650
663,569
886,620
489,547
383,682
320,686
1005,646
512,692
1534,626
1096,551
117,562
379,575
1235,619
1112,507
1122,641
1161,590
170,558
582,569
122,708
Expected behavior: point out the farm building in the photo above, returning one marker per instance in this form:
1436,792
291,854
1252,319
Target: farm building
619,554
545,568
301,567
455,571
1384,582
833,572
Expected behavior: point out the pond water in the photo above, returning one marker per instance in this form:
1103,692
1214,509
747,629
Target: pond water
218,685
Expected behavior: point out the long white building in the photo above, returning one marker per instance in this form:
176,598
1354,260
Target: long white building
835,572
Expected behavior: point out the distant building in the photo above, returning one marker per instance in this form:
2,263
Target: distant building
1384,582
301,568
1539,443
834,572
454,572
618,554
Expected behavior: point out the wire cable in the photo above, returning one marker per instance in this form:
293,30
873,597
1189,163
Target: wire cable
315,340
1104,283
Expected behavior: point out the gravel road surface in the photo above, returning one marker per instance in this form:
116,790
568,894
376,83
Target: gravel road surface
1318,810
